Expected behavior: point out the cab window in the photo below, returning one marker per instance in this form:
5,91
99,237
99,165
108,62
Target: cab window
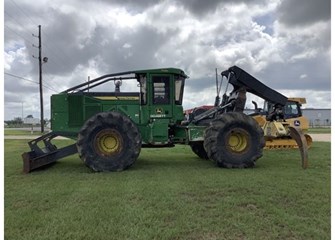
143,89
179,90
161,89
291,110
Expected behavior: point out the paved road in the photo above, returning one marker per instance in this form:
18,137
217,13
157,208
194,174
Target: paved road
317,137
321,137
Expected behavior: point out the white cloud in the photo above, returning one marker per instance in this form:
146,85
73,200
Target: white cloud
83,38
302,76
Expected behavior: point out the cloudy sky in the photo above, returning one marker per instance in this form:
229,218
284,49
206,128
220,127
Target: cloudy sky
284,43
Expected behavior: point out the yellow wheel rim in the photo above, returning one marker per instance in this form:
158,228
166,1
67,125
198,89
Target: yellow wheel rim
108,142
238,141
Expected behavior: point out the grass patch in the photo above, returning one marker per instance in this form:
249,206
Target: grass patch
319,130
8,131
170,194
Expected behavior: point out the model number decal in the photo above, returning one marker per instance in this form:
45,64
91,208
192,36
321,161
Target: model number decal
157,115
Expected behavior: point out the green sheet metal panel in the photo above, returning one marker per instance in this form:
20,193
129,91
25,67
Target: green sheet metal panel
76,110
196,133
159,132
59,112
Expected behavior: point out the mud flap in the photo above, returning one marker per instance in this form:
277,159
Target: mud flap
300,138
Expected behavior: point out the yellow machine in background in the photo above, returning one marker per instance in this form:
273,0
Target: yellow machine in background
278,132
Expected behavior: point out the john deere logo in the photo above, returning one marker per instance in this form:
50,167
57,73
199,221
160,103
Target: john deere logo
297,123
159,110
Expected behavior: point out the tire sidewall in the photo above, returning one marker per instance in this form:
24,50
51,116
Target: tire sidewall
217,135
238,158
125,128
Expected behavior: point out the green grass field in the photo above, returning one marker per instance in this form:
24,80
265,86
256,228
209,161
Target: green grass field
169,194
8,131
319,130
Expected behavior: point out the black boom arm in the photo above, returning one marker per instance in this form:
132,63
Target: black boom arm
241,79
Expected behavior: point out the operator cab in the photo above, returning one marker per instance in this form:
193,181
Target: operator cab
161,94
161,98
292,109
162,91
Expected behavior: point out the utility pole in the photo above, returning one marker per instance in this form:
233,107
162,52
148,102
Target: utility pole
40,74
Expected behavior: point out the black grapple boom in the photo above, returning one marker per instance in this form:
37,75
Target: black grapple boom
242,83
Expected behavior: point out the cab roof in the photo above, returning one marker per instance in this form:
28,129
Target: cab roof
123,76
163,70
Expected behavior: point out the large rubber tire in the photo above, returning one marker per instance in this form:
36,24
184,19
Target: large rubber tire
198,147
199,150
234,140
109,141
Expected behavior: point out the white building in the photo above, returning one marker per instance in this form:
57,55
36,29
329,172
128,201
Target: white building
318,117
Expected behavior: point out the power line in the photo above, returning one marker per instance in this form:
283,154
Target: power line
59,50
23,12
29,80
15,19
44,84
19,26
18,34
56,55
60,59
12,75
24,38
49,81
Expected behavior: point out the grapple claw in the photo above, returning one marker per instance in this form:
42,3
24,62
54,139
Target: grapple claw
300,138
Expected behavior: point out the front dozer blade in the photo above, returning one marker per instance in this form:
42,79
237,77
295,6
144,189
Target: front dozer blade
40,157
300,138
